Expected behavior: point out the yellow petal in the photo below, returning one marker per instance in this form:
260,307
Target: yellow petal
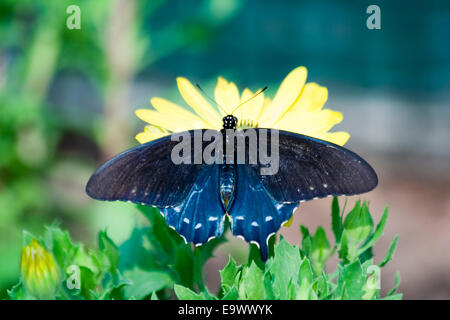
196,101
265,106
250,110
312,98
169,122
287,94
151,133
227,95
289,223
310,123
339,138
171,109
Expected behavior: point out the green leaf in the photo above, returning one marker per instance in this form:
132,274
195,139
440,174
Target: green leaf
144,283
169,251
201,255
133,254
397,283
304,290
111,251
162,238
336,220
306,240
17,292
154,296
285,267
62,247
343,248
252,283
184,266
232,294
398,296
184,293
350,282
320,286
27,237
377,234
88,282
255,256
112,290
271,245
390,252
320,250
228,275
268,287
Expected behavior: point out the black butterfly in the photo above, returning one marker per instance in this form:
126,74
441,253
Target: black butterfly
196,198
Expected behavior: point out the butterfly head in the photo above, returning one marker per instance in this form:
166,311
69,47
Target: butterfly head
229,122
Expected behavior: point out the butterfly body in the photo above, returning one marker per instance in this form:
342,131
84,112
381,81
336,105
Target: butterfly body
195,198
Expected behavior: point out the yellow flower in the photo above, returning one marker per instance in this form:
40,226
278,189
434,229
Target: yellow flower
296,107
40,273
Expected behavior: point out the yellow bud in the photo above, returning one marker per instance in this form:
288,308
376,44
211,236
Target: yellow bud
40,273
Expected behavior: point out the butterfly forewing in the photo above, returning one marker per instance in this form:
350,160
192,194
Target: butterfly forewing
310,168
145,174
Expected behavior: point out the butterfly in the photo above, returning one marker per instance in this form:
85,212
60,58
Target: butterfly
195,198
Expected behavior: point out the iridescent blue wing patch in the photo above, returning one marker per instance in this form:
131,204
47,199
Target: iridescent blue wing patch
200,217
255,215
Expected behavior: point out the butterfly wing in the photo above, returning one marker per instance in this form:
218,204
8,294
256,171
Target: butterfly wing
146,175
188,194
200,216
310,168
254,215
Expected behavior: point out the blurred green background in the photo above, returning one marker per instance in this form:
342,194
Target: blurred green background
67,101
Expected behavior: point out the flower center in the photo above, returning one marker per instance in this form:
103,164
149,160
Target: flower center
247,123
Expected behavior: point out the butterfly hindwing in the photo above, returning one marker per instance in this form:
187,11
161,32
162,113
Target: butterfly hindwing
200,216
254,214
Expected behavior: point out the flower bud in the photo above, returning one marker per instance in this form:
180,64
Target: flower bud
40,273
358,224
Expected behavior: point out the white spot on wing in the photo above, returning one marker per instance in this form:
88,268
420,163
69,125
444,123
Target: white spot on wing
268,218
198,226
255,224
268,237
255,242
212,218
186,220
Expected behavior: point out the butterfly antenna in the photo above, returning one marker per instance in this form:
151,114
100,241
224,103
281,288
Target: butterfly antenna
258,93
211,99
